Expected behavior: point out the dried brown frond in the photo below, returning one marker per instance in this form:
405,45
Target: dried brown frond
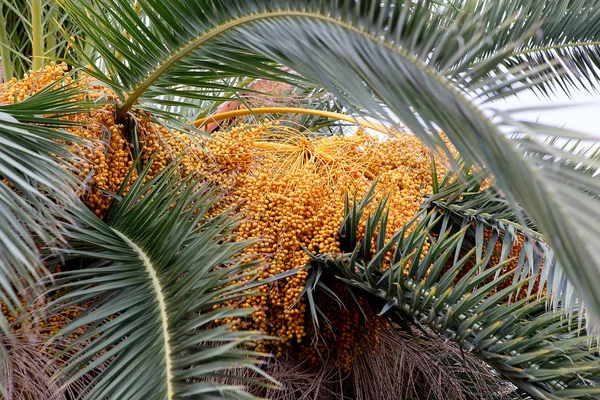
414,366
404,366
26,370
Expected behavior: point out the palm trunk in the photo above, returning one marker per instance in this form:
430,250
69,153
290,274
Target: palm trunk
52,31
37,35
7,68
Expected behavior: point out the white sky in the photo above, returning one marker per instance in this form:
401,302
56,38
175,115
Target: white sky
581,112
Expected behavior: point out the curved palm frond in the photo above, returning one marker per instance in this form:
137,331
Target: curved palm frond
540,351
35,188
367,53
50,105
562,33
461,196
161,55
163,266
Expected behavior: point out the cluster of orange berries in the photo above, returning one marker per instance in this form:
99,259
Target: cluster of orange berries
14,91
162,146
346,329
107,159
291,189
105,154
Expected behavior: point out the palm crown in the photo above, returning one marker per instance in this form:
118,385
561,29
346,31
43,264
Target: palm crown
157,268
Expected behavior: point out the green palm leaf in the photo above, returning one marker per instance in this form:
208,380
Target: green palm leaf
50,106
567,36
461,198
36,187
541,351
36,167
163,266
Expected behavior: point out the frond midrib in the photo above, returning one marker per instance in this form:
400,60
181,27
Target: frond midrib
162,305
556,47
220,29
197,42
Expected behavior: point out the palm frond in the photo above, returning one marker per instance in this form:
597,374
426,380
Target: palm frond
163,267
138,64
540,351
49,106
37,186
461,198
563,34
35,189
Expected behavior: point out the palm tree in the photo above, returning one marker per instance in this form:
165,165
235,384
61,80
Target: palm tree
433,65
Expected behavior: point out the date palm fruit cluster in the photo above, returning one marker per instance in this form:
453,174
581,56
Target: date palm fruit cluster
290,187
106,157
14,91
